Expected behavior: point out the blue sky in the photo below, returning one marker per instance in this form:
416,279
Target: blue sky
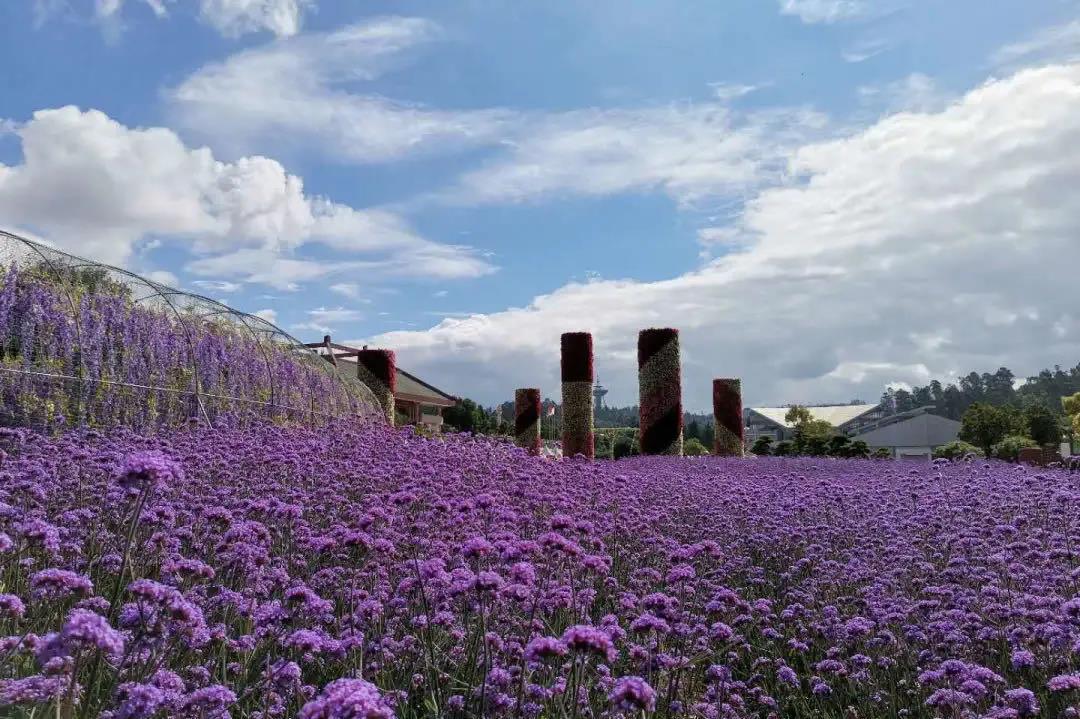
815,191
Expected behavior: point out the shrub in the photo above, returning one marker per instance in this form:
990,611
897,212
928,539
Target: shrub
1009,448
694,448
784,448
762,446
957,449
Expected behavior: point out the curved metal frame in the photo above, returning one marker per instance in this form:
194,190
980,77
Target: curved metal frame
183,307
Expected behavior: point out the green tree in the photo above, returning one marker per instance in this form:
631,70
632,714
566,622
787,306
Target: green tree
468,416
1042,424
762,446
1071,405
882,453
985,425
811,435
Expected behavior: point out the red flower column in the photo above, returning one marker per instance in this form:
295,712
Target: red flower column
527,419
660,390
728,415
378,370
577,399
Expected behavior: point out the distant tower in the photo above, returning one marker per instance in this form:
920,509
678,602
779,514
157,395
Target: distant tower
598,394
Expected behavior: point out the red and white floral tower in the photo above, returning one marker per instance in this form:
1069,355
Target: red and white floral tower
577,397
527,419
728,417
660,392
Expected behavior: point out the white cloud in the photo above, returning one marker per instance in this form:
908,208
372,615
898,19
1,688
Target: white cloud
346,289
691,152
163,277
1060,43
217,286
728,91
96,187
921,226
864,50
313,105
233,18
325,319
268,314
824,11
916,93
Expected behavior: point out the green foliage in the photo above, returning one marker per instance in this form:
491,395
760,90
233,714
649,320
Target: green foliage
838,445
626,447
857,450
694,448
1071,405
984,425
784,449
1042,424
762,446
1009,448
468,416
882,453
955,450
797,416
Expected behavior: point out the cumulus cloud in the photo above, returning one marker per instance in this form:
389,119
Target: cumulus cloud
96,187
926,244
314,104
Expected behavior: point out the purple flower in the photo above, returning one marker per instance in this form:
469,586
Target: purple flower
633,694
11,607
1064,682
1023,701
138,701
211,701
589,640
544,648
347,699
1022,659
788,676
149,469
59,584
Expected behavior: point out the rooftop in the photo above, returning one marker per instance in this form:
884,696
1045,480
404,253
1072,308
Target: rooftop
836,415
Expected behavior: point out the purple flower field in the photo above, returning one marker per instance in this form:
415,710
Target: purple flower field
360,572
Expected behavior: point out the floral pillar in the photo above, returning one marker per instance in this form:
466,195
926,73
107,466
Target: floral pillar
660,391
577,399
378,370
728,416
527,419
